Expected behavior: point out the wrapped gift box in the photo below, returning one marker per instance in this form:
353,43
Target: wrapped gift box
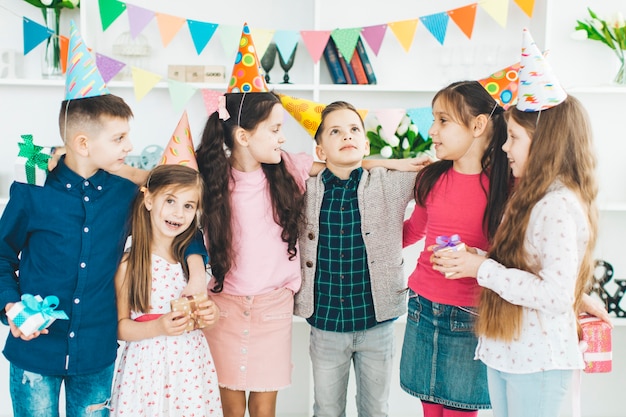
596,344
31,166
189,305
449,244
34,313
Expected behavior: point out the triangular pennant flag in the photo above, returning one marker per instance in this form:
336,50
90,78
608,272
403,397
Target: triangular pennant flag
83,80
422,118
108,67
138,19
464,18
307,113
527,6
169,26
389,119
503,85
346,40
180,94
497,9
315,42
211,100
201,33
437,25
404,31
64,44
180,149
229,37
143,82
374,35
262,39
286,41
110,10
363,113
34,34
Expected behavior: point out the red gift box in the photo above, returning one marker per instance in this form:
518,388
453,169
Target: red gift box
596,344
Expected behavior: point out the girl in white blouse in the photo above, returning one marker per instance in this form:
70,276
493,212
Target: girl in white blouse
540,263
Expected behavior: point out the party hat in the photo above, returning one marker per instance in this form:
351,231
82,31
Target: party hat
307,113
180,151
539,89
82,79
503,85
246,77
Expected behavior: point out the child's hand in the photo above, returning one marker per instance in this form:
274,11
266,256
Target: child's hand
458,264
596,308
173,323
209,312
17,333
412,164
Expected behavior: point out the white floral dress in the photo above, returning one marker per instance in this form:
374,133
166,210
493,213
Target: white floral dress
166,375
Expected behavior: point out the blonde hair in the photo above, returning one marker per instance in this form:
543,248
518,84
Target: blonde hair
139,260
561,149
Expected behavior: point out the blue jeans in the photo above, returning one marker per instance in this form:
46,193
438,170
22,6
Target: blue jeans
371,351
538,394
35,395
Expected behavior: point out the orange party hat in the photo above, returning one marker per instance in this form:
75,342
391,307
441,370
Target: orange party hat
246,76
503,85
180,151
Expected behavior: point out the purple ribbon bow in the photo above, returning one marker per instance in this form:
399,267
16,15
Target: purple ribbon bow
447,241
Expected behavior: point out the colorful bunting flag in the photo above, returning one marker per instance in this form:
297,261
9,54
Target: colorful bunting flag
169,26
527,6
262,39
143,82
201,33
315,42
180,94
110,10
211,99
108,67
34,34
422,117
286,41
464,18
138,19
374,36
346,40
229,37
64,44
404,31
389,119
437,25
497,9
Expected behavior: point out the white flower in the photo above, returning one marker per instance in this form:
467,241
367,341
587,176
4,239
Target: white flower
617,20
46,2
386,152
413,128
405,144
370,124
74,2
404,126
579,35
597,23
393,140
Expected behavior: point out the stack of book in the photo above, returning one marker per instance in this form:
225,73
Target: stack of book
358,71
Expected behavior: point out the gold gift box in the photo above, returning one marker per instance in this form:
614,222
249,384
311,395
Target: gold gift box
189,305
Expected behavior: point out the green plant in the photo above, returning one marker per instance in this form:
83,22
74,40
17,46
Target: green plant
407,142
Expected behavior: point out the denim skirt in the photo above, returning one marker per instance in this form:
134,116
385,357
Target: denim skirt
437,362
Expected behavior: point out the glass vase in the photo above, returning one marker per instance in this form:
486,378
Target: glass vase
620,78
51,61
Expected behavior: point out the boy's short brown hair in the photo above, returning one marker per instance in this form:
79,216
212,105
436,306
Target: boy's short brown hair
86,112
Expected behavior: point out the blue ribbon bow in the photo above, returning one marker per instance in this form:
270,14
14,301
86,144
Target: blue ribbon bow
45,307
447,241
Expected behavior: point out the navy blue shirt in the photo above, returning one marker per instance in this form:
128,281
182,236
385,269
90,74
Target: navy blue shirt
70,234
343,291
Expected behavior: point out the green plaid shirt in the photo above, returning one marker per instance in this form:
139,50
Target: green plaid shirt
343,293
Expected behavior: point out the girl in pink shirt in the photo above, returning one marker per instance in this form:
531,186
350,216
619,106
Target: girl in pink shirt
464,194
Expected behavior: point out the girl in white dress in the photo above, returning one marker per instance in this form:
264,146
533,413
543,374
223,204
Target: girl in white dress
163,370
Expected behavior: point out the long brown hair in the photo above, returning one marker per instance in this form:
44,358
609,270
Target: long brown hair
246,111
139,260
465,100
561,149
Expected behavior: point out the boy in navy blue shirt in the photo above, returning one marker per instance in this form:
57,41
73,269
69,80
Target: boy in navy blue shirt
66,239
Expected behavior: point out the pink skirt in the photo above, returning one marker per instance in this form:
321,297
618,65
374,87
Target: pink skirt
251,342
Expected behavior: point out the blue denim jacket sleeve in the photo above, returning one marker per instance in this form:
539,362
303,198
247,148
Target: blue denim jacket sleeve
196,247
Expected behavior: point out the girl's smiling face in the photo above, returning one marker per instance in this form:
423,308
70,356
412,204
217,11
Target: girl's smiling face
172,211
517,147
